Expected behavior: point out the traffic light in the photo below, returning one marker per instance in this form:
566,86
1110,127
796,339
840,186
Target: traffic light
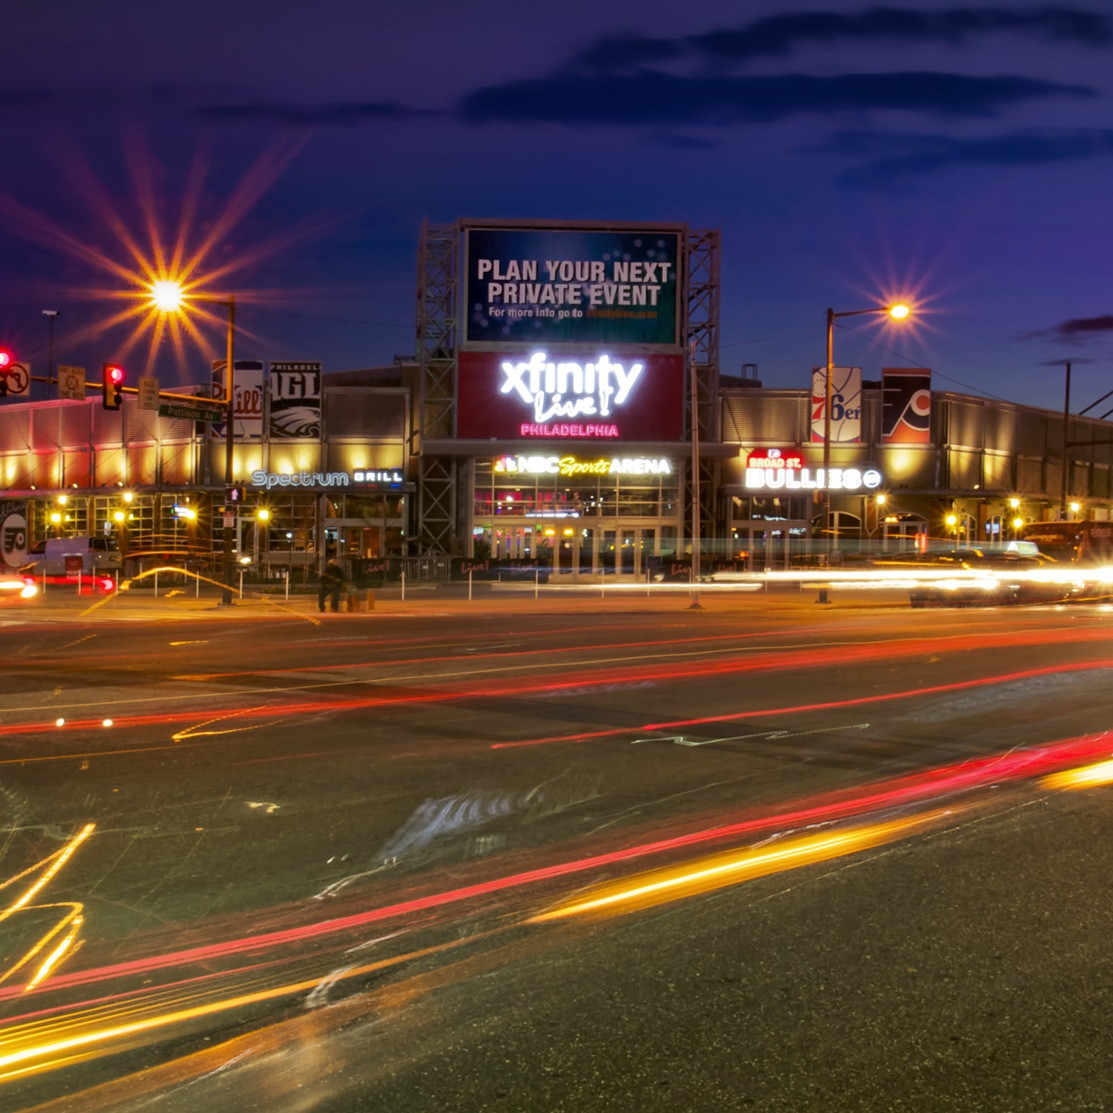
6,360
112,381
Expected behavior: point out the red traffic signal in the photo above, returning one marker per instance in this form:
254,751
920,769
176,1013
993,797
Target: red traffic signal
6,360
112,381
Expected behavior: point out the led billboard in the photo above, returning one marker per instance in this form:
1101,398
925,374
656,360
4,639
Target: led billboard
563,285
570,396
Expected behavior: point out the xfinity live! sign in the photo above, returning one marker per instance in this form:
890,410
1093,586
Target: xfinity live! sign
597,395
571,285
564,389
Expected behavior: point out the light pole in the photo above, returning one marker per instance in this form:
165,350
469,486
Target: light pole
1066,445
229,446
696,539
262,515
50,314
898,312
168,296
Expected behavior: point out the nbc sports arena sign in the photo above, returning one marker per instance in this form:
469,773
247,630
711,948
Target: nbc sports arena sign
593,394
573,467
563,284
777,469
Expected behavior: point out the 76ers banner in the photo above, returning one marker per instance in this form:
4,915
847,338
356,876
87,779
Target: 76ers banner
846,405
905,405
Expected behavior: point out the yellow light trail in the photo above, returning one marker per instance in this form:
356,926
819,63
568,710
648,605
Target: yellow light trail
732,867
1087,776
69,924
41,1046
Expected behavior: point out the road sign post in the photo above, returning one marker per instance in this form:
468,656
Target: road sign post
71,382
148,394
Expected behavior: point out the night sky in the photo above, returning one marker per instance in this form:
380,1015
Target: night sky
957,155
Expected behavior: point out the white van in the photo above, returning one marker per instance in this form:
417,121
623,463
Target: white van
61,556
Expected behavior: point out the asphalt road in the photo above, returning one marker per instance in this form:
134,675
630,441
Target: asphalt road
564,852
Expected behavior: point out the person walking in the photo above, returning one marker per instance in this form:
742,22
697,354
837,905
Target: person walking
332,580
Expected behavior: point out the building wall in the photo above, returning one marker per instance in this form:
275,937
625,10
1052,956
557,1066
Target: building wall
983,456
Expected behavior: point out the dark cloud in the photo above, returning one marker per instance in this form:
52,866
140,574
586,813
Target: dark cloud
1081,327
926,154
337,114
663,99
780,34
1078,329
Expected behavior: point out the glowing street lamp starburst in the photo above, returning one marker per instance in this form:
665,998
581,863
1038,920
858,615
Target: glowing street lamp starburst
163,279
166,295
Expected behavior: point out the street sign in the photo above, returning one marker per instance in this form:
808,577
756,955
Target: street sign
71,382
189,413
148,394
17,378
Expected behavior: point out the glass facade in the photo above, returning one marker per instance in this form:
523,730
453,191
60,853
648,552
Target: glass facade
577,523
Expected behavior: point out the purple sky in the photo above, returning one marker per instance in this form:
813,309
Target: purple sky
958,154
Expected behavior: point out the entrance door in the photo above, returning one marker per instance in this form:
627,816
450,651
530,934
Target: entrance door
583,552
633,546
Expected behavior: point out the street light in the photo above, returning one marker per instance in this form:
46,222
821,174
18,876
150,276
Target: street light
1066,445
879,502
898,311
168,297
262,515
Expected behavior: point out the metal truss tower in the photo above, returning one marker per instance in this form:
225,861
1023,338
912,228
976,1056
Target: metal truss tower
434,411
703,355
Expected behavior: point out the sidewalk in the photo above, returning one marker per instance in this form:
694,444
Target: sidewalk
61,605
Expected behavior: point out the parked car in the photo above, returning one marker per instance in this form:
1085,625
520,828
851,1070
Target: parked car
72,556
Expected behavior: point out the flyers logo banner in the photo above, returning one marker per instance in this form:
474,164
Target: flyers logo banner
905,405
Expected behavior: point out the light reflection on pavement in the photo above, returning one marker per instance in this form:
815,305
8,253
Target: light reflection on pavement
252,970
356,945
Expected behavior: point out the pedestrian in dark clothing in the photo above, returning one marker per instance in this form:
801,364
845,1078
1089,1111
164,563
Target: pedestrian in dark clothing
332,580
